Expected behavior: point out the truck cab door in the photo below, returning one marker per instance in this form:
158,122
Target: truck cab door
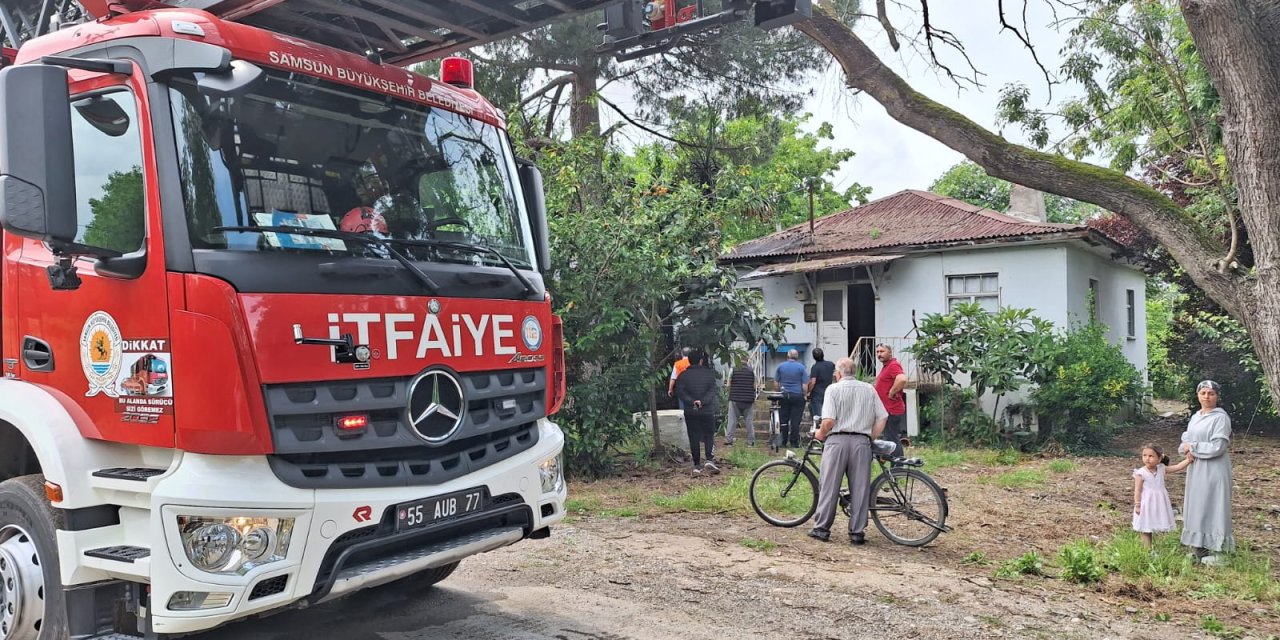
108,340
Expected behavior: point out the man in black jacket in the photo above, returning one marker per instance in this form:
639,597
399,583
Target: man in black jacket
699,393
742,399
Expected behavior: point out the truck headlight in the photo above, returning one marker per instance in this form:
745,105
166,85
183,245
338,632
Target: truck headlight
551,471
234,545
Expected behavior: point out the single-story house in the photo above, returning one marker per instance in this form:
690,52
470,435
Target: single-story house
867,275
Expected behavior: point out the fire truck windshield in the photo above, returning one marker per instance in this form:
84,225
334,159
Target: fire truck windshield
296,151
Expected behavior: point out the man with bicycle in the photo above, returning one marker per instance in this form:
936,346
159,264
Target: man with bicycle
852,416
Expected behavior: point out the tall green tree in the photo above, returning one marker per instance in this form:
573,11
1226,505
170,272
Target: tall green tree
1235,41
119,219
968,182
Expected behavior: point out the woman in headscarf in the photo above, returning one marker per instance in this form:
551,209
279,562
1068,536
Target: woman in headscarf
1206,526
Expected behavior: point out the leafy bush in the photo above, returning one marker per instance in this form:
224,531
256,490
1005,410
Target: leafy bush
1085,386
1080,563
1027,564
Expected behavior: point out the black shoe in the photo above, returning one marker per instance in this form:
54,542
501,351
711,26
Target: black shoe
821,536
857,538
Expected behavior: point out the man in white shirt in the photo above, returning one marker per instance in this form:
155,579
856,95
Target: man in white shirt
852,416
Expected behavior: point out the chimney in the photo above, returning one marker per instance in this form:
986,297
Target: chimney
1026,203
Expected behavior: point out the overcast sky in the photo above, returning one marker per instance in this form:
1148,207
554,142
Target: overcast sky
890,156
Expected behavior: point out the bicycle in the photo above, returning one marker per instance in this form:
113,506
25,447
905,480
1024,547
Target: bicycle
775,420
907,506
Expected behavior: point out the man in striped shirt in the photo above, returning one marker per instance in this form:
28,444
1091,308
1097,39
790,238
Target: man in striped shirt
852,416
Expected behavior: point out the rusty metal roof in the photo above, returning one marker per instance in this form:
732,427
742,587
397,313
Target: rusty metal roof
910,218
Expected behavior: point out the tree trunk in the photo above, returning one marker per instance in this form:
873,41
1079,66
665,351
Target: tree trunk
1236,40
585,116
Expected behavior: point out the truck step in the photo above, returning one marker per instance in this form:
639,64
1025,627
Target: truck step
137,474
114,636
122,553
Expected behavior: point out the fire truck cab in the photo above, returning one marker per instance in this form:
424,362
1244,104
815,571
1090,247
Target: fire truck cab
273,327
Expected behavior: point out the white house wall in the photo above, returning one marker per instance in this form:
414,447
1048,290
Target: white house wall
1114,281
780,299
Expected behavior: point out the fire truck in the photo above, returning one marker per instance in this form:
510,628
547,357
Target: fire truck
273,319
274,323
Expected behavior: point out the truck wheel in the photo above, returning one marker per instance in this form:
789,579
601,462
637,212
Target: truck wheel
32,606
436,575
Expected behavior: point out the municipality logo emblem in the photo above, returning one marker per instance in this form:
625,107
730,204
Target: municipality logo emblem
100,355
531,331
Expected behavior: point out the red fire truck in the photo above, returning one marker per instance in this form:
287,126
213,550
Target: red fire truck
274,323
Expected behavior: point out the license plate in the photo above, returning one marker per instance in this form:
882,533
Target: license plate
428,511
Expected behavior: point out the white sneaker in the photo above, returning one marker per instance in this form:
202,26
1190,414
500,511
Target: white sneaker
1211,560
710,467
697,472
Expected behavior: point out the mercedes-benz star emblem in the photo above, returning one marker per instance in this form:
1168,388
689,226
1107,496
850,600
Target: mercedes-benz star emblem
437,405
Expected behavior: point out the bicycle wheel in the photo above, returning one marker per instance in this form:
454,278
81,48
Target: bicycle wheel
775,431
916,522
784,493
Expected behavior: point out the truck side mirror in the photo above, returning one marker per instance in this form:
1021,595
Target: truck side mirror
536,203
37,182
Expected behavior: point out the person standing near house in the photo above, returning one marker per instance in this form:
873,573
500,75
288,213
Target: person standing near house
889,384
791,378
676,370
742,400
1206,522
820,376
698,392
852,416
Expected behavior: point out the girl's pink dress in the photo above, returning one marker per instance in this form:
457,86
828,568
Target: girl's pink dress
1157,511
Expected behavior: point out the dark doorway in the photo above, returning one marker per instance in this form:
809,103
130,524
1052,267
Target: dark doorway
862,324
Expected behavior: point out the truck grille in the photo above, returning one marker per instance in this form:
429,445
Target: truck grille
501,420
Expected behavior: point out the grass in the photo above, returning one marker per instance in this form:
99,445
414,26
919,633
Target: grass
976,558
1017,479
999,457
723,497
1061,466
763,546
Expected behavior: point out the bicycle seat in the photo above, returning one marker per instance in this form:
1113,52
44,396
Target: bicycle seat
773,395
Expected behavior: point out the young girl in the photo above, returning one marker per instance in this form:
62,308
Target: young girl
1152,511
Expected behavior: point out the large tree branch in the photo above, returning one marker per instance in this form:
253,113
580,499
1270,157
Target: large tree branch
1159,216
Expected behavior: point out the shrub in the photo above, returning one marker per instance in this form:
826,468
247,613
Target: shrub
1080,563
1027,564
1084,387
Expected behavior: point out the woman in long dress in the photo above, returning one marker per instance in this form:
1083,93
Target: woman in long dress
1206,507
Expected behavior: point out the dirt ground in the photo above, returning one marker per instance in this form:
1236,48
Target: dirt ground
693,576
930,592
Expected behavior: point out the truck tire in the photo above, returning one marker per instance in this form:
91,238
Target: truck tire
32,606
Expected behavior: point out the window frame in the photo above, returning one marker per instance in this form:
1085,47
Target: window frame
136,130
971,297
1095,298
1131,301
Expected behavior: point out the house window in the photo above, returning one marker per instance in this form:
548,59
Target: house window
1095,300
1133,324
984,289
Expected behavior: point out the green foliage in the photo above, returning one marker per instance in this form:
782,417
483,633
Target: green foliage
1085,386
970,183
627,265
999,352
1018,479
1224,352
1061,466
118,216
764,546
1027,564
975,558
1169,378
1080,564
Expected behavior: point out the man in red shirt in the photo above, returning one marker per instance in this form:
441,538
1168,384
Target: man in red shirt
889,384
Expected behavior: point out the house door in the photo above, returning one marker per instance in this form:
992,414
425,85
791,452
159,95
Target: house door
833,330
862,325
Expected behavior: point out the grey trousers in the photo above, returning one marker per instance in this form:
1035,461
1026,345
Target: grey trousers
845,455
737,410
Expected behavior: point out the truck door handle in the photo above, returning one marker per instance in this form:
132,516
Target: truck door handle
36,354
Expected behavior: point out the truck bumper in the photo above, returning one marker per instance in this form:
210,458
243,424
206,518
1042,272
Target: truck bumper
342,540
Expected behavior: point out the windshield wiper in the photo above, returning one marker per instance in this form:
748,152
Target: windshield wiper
470,248
429,284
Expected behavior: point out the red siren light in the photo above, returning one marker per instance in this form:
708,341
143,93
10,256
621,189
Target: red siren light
457,72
